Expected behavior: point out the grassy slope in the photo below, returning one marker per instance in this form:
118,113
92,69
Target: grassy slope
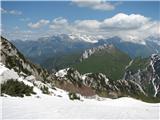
138,63
112,63
62,61
141,64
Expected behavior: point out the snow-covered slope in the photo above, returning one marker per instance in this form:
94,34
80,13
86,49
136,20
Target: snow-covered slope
50,107
8,74
86,38
58,105
62,73
13,59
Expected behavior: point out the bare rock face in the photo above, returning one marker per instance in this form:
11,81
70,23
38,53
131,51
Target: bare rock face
113,89
98,83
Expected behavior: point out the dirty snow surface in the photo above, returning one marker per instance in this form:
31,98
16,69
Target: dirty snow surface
53,107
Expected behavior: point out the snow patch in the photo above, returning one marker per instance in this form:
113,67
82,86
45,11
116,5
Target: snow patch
6,74
62,73
130,63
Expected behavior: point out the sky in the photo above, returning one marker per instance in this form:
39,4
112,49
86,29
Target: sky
100,19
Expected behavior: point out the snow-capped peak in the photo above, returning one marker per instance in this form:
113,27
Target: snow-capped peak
85,38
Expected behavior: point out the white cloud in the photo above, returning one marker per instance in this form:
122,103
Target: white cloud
38,24
17,33
132,28
95,4
12,12
59,22
88,23
123,21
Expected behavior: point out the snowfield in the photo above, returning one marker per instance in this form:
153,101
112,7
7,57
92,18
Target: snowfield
57,105
52,107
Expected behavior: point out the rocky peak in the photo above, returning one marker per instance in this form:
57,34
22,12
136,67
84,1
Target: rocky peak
69,74
95,80
99,83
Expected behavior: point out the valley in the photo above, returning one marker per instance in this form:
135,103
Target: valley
80,59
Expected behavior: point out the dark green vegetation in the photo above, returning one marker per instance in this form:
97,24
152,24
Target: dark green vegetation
62,61
111,63
45,90
148,99
45,48
13,62
73,96
16,88
142,67
146,76
138,63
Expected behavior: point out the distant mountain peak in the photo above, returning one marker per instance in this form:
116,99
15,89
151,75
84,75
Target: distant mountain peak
85,38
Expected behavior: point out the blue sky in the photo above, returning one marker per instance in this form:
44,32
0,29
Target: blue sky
18,15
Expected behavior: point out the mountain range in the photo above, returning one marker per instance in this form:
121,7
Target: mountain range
63,50
138,78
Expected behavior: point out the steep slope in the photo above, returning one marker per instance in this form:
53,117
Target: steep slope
61,61
15,67
146,72
13,59
114,89
90,84
134,49
21,73
18,76
50,48
105,59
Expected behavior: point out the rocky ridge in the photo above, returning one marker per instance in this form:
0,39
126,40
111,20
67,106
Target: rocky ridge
91,51
135,84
